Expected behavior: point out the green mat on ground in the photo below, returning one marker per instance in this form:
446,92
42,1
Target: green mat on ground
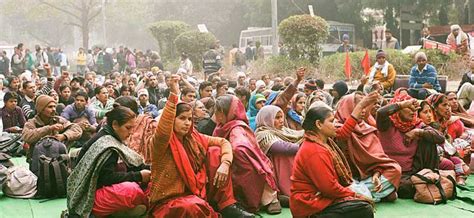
25,208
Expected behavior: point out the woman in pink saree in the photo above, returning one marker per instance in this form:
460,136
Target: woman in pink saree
252,173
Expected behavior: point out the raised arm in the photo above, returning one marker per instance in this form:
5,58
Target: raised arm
164,129
384,113
49,85
284,98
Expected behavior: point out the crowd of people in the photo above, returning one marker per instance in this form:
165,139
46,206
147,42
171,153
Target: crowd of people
169,144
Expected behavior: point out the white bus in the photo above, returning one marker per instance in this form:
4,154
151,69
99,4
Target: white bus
264,36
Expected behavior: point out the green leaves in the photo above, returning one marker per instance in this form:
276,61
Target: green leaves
194,43
303,34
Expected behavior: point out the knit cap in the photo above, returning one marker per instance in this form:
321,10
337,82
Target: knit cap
42,102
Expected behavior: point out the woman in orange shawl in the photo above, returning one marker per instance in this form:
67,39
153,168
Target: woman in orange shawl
189,169
252,171
371,166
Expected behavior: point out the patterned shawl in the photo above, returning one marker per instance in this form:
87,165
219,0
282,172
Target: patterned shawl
266,132
82,183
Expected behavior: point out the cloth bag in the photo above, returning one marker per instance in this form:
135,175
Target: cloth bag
20,183
434,187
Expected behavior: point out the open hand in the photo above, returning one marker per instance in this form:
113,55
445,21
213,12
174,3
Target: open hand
221,175
376,182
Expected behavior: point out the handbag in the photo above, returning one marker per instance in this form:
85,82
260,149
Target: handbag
434,187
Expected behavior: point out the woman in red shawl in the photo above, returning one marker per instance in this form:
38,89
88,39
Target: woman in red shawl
400,136
252,173
189,169
321,177
371,166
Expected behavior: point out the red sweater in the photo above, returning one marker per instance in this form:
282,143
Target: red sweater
314,181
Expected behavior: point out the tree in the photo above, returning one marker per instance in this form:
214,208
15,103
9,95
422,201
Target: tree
165,32
195,43
303,35
80,12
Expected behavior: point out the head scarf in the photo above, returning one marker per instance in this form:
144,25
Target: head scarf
344,110
292,113
403,126
434,100
266,132
252,109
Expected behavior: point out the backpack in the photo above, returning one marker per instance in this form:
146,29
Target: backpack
20,183
433,187
11,144
53,174
49,147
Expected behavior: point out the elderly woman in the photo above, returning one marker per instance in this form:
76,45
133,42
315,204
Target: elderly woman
423,78
252,173
400,135
192,169
102,184
321,175
278,142
373,170
382,71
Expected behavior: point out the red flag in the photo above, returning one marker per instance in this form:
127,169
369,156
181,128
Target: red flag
347,68
366,63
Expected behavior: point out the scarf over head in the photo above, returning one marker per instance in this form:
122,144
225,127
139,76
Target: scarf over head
403,126
434,100
266,132
364,147
247,141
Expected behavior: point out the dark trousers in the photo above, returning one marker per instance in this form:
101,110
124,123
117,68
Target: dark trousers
420,94
406,190
352,209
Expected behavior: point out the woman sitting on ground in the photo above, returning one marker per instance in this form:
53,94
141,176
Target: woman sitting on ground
457,110
373,170
256,102
202,119
296,112
102,184
252,173
280,143
426,156
321,175
455,132
189,169
400,135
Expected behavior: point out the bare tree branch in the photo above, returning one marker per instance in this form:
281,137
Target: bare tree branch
74,6
73,24
39,38
93,15
60,9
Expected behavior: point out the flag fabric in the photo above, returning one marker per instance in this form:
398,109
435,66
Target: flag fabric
347,68
366,63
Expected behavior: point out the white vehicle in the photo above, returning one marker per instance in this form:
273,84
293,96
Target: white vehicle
264,36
